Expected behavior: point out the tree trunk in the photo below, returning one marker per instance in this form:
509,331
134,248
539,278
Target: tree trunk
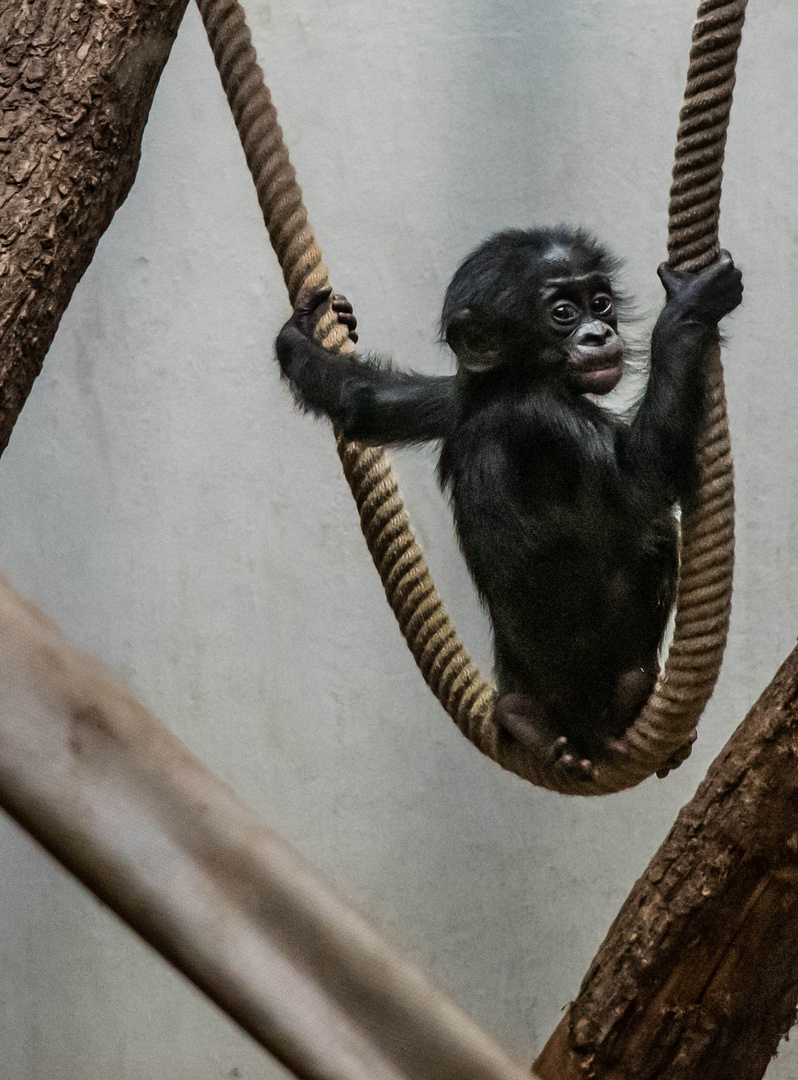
698,975
76,85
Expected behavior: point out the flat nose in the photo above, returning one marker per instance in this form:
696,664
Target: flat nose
594,333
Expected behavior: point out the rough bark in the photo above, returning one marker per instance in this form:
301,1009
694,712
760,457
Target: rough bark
76,85
698,975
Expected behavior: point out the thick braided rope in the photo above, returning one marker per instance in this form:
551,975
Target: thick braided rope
703,600
419,610
668,720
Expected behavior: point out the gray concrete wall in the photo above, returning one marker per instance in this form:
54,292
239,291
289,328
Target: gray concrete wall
165,504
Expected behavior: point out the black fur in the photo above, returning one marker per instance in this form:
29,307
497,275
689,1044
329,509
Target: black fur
564,511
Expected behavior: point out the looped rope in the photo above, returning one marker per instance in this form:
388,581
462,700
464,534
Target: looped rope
662,733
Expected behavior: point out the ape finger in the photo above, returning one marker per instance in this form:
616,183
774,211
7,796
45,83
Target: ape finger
350,323
340,303
349,320
306,309
346,316
309,299
670,276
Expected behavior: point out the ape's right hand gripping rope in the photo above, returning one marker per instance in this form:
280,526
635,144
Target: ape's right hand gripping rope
667,722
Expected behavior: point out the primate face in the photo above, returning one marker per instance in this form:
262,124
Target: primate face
578,319
546,309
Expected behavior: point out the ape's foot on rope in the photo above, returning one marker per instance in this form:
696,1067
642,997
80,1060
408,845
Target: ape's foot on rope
682,754
527,721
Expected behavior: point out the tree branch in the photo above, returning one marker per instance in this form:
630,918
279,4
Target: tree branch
76,85
127,808
698,975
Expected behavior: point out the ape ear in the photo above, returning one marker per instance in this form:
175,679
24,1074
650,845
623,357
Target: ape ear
476,347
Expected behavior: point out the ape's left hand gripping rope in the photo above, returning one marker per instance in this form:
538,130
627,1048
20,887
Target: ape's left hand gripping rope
668,720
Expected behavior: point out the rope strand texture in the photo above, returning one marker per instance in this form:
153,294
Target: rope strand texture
664,730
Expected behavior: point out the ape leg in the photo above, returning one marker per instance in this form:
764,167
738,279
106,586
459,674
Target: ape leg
528,721
632,691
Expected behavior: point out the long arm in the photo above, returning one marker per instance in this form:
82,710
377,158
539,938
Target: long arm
365,400
664,434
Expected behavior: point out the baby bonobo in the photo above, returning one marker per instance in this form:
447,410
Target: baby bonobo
564,511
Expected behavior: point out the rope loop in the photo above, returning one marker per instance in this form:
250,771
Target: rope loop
662,735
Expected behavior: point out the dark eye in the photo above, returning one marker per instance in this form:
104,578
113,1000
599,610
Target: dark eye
601,304
565,313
